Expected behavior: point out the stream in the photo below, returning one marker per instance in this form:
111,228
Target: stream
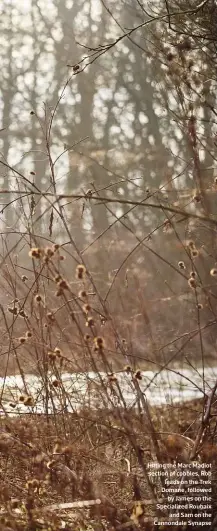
79,390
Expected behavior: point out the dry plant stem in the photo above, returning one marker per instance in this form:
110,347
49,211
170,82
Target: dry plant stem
184,214
204,422
148,419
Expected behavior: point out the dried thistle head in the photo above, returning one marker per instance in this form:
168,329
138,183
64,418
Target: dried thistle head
181,265
213,272
35,252
24,278
28,333
193,274
80,271
199,306
86,337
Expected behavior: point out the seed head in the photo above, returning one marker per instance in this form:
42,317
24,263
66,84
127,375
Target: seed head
13,310
22,340
76,68
102,320
56,383
213,272
82,294
194,253
38,298
21,398
185,45
128,369
35,252
99,341
138,375
181,265
90,322
51,355
32,484
29,401
197,198
24,278
56,246
28,333
80,271
112,377
192,283
15,503
57,351
32,172
32,112
62,284
57,278
86,308
23,314
49,252
86,337
50,464
192,274
50,316
67,450
200,306
59,292
170,56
